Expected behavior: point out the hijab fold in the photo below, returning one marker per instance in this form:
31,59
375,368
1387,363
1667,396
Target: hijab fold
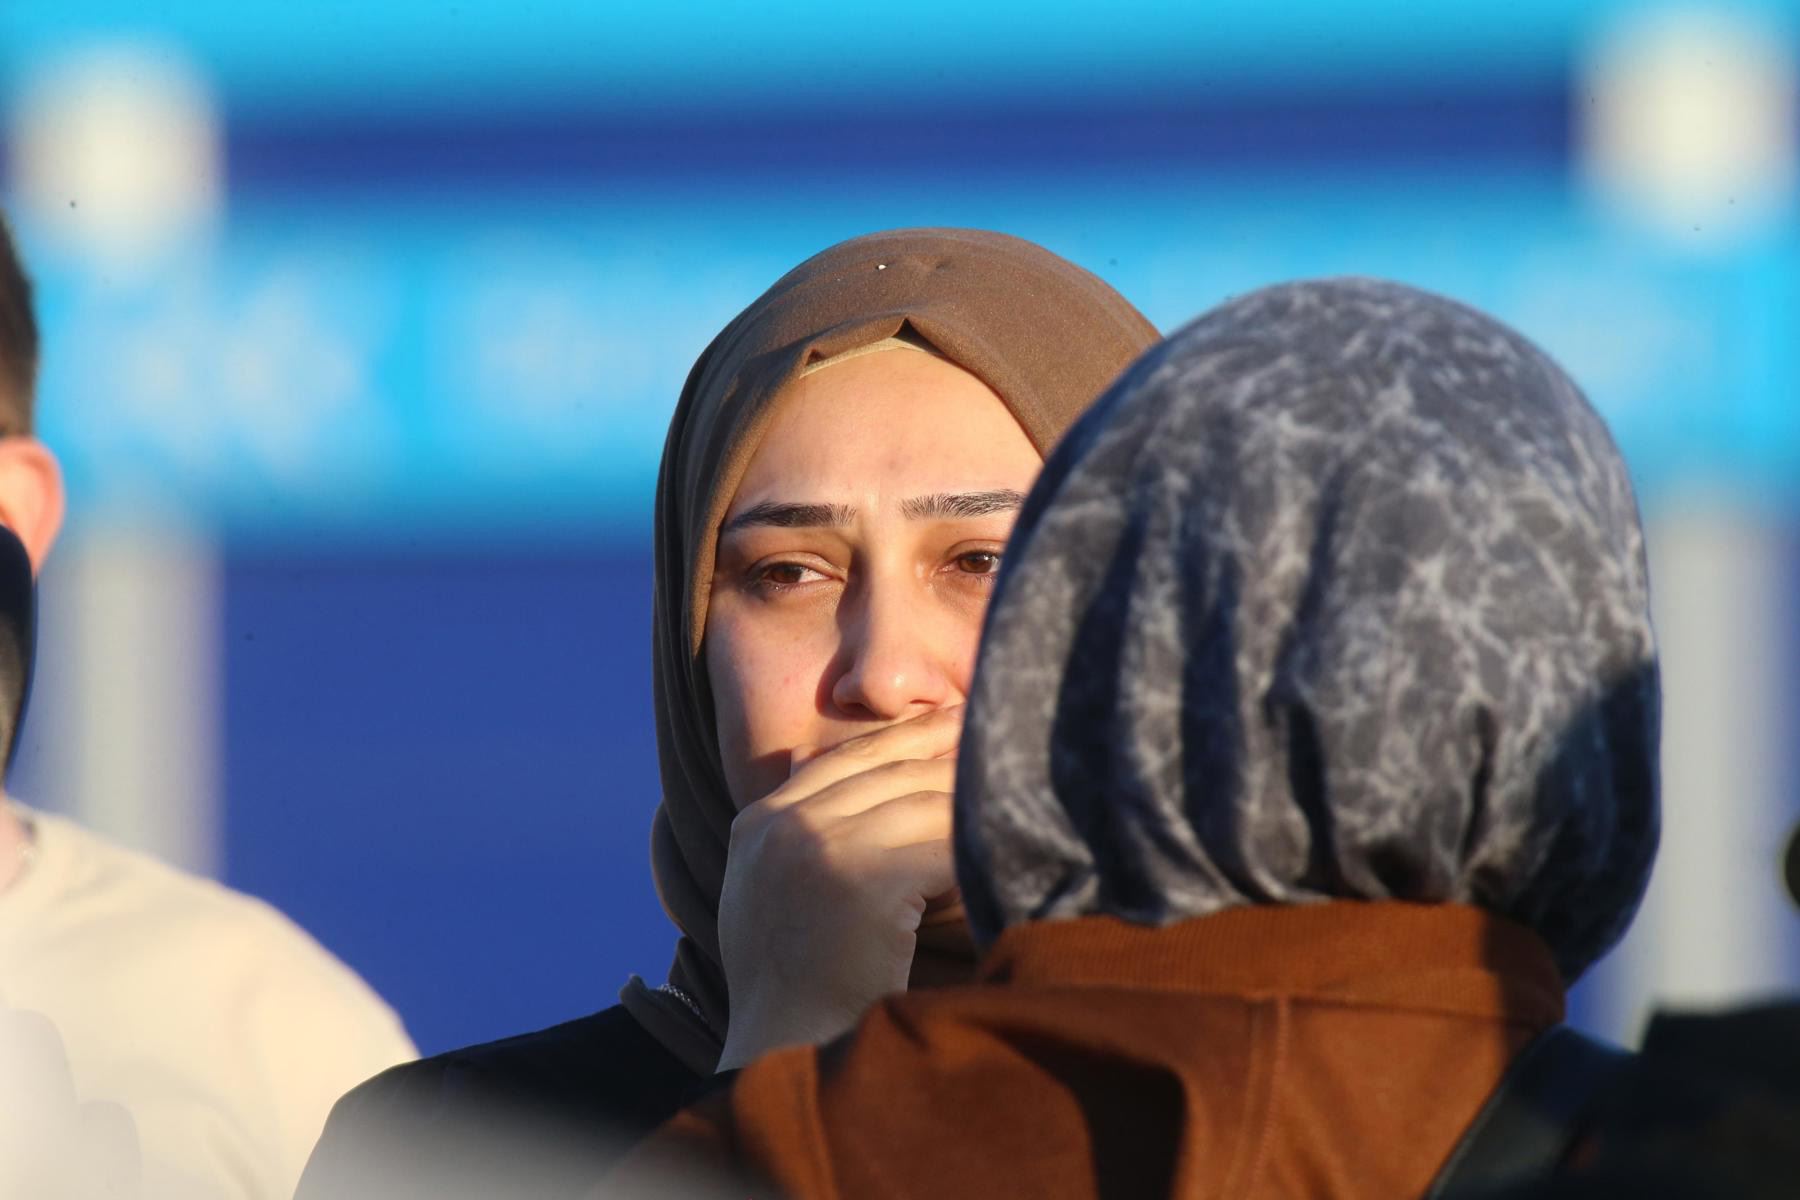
1338,594
1043,334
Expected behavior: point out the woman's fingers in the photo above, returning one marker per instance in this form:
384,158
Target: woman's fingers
920,871
932,735
907,820
877,787
843,832
828,880
823,900
899,848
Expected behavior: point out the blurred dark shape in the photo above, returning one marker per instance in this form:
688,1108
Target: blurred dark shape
18,640
1793,865
1530,1124
19,350
1710,1107
20,343
516,1118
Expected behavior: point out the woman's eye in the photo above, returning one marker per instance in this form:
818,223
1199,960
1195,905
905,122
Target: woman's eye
978,562
784,574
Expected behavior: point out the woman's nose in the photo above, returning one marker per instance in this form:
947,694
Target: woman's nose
892,663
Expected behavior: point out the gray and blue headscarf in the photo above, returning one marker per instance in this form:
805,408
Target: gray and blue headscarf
1338,593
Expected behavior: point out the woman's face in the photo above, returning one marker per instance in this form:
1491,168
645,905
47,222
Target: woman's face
856,560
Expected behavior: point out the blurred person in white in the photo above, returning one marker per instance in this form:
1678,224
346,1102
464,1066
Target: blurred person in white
222,1029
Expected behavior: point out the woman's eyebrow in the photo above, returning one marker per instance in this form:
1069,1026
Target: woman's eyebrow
953,505
792,516
937,506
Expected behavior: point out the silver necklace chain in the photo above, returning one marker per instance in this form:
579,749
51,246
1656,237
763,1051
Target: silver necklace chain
687,1000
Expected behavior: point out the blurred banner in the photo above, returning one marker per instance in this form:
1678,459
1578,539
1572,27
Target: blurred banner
363,324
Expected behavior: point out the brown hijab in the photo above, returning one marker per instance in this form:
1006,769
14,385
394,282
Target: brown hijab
1044,334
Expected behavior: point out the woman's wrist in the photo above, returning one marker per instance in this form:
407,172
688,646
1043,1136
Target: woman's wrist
747,1042
753,1035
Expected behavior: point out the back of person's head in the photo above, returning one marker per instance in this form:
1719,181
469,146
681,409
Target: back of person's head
18,339
1339,593
31,490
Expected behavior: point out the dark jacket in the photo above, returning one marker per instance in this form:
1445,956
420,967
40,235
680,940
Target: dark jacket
538,1115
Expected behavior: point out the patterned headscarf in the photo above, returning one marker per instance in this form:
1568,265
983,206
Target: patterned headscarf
1338,593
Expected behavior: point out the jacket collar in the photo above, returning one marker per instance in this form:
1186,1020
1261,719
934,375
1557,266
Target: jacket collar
1450,957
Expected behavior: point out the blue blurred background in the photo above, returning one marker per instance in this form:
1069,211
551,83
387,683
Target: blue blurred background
364,322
